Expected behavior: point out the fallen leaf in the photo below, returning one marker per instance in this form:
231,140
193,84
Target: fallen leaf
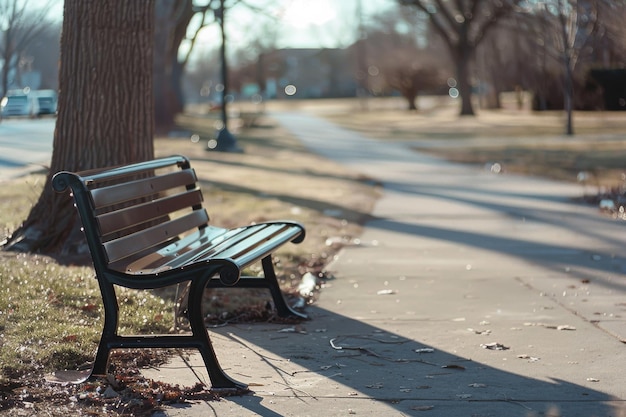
422,407
593,380
530,358
453,366
295,329
494,346
566,327
483,332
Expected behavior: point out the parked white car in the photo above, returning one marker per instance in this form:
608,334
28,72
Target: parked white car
47,100
19,103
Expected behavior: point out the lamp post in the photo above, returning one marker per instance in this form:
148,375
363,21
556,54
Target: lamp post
226,142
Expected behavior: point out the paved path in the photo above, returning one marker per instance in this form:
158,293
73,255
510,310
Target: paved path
471,294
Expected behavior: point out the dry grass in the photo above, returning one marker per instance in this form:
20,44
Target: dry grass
521,141
51,315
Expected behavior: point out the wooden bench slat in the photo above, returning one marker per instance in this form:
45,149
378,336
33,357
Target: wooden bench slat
233,244
129,217
242,245
234,248
200,245
246,255
135,190
180,251
137,242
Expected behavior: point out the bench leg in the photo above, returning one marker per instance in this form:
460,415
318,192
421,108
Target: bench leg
199,339
109,332
283,309
102,359
219,379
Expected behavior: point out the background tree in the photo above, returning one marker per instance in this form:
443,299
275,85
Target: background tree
19,24
403,56
172,29
262,43
396,63
576,22
463,24
44,50
178,25
105,110
564,33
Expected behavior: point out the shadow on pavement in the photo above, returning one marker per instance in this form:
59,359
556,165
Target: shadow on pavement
341,365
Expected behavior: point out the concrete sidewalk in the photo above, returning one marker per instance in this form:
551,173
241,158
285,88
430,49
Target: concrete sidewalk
471,294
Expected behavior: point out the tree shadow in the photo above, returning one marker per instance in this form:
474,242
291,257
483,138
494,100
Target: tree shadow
564,216
346,360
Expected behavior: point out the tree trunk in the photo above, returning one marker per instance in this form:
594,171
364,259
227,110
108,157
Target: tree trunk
569,97
7,55
463,75
411,98
105,112
172,20
164,100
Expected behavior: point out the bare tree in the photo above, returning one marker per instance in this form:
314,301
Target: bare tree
463,24
19,25
397,63
105,110
44,50
565,30
173,19
573,24
178,23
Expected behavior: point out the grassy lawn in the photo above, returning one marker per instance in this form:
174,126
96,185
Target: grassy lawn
521,141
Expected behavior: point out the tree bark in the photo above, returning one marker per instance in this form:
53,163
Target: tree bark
172,20
105,111
463,73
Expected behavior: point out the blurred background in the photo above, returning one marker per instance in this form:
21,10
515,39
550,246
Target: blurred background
551,54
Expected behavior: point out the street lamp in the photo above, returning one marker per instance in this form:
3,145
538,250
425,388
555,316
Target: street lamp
226,142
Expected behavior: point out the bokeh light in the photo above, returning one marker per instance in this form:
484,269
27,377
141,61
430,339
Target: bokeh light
290,90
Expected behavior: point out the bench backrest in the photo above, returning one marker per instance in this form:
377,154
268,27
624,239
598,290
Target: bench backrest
135,209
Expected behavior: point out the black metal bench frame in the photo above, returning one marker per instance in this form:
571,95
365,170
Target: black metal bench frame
138,238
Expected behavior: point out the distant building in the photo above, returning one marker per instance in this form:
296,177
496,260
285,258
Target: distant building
301,73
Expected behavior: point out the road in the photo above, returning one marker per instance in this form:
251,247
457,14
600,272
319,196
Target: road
25,145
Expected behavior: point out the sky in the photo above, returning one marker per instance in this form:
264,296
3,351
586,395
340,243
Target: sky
310,23
298,23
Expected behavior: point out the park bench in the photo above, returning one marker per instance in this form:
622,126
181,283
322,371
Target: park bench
146,228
